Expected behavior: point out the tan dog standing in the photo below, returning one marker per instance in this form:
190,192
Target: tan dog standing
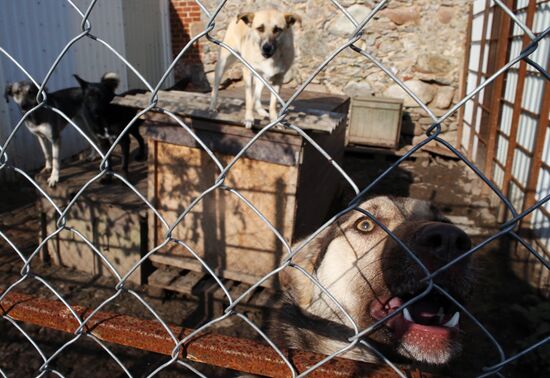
265,40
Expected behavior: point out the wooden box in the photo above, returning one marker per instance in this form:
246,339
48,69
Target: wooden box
282,175
375,121
110,216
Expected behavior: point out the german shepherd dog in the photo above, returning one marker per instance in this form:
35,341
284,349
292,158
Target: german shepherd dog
106,120
371,276
265,40
45,123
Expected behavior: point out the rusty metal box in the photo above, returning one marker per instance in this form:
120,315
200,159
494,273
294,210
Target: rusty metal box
375,121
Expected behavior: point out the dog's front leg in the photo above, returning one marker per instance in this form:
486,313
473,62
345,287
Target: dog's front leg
273,104
258,87
47,155
125,145
92,155
225,60
54,177
249,99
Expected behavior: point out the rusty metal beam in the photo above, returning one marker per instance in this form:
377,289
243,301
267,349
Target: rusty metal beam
228,352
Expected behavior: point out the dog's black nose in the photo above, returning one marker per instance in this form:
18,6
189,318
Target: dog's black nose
268,49
444,240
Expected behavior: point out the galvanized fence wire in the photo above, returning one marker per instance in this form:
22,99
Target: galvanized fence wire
359,337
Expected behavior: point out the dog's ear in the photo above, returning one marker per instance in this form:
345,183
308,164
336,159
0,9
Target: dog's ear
8,92
110,80
292,19
296,283
83,83
247,18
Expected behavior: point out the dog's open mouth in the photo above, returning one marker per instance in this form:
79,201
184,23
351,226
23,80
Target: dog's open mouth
430,323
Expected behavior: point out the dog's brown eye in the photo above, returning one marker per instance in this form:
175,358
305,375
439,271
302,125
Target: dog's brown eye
260,28
365,225
277,30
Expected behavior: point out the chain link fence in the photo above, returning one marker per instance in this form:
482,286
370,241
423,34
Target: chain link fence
178,345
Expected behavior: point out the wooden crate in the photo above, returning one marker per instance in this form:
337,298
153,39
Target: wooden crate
375,121
288,181
110,216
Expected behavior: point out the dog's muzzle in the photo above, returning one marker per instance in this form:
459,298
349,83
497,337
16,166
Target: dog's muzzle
268,49
428,328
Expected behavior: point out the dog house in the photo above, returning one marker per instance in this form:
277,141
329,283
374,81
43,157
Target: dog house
108,215
281,174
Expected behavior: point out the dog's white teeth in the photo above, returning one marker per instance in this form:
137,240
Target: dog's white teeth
407,315
440,314
453,322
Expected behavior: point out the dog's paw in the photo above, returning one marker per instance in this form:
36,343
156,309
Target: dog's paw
248,123
54,179
262,112
47,168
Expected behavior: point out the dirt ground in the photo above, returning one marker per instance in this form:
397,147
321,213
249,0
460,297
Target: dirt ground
505,305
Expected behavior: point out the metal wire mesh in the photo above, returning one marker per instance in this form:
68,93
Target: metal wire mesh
433,134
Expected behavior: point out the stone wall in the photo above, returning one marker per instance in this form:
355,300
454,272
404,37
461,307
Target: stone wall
421,41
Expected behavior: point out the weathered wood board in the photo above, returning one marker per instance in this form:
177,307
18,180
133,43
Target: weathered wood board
231,109
221,228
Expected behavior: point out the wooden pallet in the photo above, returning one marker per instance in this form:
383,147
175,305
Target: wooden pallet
192,283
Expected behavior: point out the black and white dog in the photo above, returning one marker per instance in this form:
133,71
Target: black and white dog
45,123
106,120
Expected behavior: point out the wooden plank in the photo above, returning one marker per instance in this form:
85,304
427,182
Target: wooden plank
159,119
192,264
175,280
502,23
185,283
306,100
283,151
230,110
163,277
219,293
517,104
73,176
238,289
